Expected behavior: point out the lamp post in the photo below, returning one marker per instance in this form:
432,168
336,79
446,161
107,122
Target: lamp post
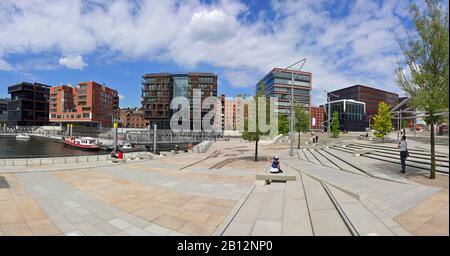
291,126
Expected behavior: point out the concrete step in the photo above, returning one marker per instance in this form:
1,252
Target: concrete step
361,218
323,160
325,218
393,148
425,167
310,157
331,154
440,160
374,167
301,155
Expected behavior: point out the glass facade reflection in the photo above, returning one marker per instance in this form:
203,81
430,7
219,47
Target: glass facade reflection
351,114
278,83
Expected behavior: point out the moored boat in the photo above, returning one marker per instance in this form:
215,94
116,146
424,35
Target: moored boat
23,136
82,143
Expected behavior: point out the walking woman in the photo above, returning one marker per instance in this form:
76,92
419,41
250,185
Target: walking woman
403,147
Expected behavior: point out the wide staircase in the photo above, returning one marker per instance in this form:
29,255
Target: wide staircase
388,153
310,205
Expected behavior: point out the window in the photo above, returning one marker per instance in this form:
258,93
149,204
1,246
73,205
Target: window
86,115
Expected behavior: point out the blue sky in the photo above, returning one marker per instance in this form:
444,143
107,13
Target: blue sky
117,41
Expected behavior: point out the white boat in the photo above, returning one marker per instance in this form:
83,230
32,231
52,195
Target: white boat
82,143
23,136
127,146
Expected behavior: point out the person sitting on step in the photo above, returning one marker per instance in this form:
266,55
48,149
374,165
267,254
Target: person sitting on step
275,168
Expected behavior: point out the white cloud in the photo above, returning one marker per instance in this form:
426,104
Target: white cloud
121,97
5,66
357,48
75,62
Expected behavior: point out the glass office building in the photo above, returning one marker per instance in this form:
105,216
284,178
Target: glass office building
351,114
278,83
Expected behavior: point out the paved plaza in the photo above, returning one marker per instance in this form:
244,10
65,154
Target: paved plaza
215,193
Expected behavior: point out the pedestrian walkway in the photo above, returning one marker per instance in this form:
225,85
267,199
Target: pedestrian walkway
211,193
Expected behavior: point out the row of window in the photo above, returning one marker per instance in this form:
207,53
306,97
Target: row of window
85,115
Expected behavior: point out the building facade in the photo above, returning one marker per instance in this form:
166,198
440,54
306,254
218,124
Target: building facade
159,89
132,118
351,114
229,114
88,104
277,83
317,118
370,96
4,113
29,104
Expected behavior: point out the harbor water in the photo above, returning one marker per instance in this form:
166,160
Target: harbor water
38,147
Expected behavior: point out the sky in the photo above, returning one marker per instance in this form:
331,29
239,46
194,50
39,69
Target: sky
117,41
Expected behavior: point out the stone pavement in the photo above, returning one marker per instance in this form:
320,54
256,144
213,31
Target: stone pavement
209,193
150,197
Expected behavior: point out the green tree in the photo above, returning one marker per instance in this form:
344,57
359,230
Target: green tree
283,124
335,126
382,121
257,134
425,55
301,121
404,123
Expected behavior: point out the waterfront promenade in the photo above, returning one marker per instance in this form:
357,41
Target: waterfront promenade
215,193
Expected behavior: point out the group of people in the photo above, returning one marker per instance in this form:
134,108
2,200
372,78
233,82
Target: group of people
363,135
315,138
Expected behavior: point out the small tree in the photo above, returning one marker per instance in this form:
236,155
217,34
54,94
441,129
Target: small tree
382,121
301,121
283,125
257,134
404,123
335,126
426,57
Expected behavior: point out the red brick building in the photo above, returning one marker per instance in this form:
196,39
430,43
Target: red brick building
369,95
132,118
317,118
88,104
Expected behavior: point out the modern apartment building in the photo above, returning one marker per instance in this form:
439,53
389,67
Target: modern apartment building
369,95
88,104
4,113
132,118
28,105
229,114
277,83
159,89
317,118
351,114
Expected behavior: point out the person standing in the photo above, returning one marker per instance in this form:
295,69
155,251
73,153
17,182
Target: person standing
403,148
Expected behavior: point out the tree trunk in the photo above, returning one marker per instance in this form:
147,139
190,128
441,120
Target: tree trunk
298,147
256,150
433,157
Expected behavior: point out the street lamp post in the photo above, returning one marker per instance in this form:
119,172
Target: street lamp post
291,127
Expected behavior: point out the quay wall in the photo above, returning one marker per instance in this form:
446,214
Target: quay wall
60,160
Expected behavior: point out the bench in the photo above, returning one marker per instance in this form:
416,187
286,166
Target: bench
120,161
360,152
276,177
